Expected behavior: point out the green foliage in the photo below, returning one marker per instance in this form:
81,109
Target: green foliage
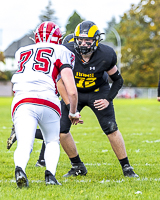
138,121
8,74
2,76
73,21
5,76
2,58
110,36
48,13
140,30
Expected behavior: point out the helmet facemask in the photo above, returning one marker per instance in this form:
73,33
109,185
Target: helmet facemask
90,48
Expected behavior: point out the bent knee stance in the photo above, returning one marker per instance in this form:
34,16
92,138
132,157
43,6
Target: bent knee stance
110,127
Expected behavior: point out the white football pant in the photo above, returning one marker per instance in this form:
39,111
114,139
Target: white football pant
26,119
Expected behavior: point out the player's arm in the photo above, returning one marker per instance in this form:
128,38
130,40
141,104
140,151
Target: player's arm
116,85
69,83
62,91
158,97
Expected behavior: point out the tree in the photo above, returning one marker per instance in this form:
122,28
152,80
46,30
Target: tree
73,21
110,36
48,14
140,29
5,76
2,57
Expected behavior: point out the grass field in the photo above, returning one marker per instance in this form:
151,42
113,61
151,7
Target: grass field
138,120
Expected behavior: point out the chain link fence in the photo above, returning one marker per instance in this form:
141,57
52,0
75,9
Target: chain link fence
6,88
125,92
137,92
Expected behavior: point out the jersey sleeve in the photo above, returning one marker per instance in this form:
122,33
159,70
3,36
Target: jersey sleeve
108,54
67,59
114,59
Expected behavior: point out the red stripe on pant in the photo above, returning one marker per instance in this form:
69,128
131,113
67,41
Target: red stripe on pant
38,102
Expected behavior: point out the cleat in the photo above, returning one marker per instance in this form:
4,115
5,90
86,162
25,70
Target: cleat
50,179
128,171
40,163
21,178
12,138
76,170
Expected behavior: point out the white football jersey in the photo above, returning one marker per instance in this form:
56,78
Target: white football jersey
38,66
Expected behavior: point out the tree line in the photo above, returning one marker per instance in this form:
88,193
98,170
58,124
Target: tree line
139,30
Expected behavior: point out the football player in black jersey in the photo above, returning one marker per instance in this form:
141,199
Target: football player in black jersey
92,60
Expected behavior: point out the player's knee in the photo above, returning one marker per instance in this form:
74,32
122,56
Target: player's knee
111,127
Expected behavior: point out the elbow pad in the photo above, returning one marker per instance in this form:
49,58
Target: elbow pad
116,85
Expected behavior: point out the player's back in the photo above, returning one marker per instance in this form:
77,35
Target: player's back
38,66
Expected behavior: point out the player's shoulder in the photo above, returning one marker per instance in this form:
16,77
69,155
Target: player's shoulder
64,49
70,46
104,50
24,48
104,47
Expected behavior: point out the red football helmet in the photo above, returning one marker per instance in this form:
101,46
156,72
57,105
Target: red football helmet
48,32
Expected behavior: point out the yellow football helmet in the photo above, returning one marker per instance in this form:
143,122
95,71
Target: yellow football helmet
84,30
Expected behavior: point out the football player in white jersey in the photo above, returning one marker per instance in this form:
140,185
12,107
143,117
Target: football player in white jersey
35,99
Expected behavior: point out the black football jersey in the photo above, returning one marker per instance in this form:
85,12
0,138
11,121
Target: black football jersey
89,76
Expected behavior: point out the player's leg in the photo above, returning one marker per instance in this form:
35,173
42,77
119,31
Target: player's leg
40,161
118,146
69,146
12,138
108,124
49,120
25,126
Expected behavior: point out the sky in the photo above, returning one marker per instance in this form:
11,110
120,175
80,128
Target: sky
18,17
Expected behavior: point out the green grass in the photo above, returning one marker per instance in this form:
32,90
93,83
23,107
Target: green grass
138,120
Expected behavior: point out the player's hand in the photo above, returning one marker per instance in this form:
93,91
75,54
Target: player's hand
75,119
101,104
158,98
